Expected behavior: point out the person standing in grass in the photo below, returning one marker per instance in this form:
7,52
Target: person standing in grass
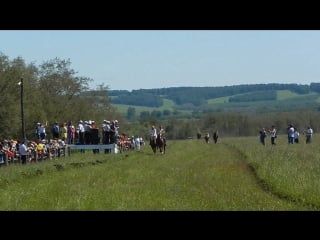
273,134
309,133
263,134
296,135
290,132
215,136
207,137
136,143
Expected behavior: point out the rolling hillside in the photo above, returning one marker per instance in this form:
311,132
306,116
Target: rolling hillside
192,102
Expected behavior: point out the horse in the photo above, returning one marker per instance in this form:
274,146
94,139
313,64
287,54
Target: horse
158,143
153,144
161,143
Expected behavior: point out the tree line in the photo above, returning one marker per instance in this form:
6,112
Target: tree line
53,92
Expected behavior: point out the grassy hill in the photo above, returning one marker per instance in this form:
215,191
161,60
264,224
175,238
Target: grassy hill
285,100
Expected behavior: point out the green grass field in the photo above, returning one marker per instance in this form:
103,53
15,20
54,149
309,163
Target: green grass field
167,105
286,95
235,174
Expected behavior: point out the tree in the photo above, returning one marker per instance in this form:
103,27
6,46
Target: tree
156,114
166,112
131,113
11,73
144,115
61,89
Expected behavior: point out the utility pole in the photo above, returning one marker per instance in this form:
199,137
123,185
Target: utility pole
22,111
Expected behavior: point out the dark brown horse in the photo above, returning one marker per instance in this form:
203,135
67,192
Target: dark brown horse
153,144
161,143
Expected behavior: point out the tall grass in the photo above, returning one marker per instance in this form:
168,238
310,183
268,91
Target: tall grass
291,171
192,175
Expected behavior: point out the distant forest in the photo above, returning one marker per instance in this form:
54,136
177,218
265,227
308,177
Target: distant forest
199,95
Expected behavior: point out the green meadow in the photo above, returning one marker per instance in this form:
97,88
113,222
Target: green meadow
167,105
234,174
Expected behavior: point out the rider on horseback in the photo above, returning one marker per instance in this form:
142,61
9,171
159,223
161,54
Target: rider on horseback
161,131
153,135
162,137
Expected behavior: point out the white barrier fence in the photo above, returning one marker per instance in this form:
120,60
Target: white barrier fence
112,147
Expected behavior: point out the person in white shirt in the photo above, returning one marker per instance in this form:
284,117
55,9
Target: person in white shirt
137,143
290,131
296,135
309,133
42,132
273,135
23,152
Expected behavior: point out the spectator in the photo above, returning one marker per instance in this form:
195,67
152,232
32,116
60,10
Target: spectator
42,132
263,134
296,135
273,134
309,133
206,137
137,143
55,131
64,131
23,152
290,132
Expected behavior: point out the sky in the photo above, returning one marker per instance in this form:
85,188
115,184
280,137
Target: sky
147,59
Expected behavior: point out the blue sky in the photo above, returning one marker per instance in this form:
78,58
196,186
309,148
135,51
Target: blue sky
145,59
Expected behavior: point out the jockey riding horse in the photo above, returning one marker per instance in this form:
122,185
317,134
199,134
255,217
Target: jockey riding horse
157,139
153,138
161,140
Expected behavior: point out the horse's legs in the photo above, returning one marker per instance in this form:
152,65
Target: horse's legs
154,147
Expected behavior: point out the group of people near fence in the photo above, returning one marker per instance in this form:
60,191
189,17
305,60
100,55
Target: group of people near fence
84,132
293,134
30,151
50,144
